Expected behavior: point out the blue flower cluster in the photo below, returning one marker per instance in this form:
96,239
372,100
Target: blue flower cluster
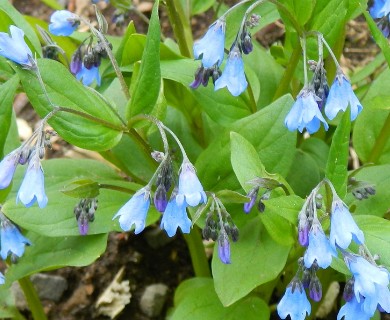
188,193
86,59
368,289
211,50
306,112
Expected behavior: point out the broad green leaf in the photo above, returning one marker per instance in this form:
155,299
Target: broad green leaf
300,9
9,15
195,299
377,236
147,86
58,219
371,124
380,39
229,196
122,46
265,130
53,4
199,6
256,259
65,91
7,306
377,204
7,94
280,218
336,167
84,188
53,253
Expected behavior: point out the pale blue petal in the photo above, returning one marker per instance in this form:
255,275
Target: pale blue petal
12,241
294,304
175,216
88,76
63,23
7,168
190,189
14,47
353,310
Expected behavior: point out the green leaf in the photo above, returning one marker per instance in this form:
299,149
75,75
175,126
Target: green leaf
300,9
377,236
65,91
337,165
58,219
377,204
371,124
7,93
265,130
122,46
229,196
195,299
280,218
199,6
249,268
53,4
84,188
147,86
10,16
53,253
380,39
7,306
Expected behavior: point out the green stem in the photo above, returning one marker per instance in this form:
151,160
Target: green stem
197,252
288,73
180,27
380,142
32,298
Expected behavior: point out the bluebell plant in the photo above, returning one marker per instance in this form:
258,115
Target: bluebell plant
380,10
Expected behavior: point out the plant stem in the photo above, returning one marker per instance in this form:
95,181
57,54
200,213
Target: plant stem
380,142
180,26
288,73
32,298
198,255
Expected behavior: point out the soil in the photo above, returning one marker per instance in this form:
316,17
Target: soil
170,264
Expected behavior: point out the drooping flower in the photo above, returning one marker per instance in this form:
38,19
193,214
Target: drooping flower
175,216
305,113
233,76
294,303
7,168
134,211
15,48
33,185
371,282
319,248
224,247
88,76
190,189
380,8
63,23
343,229
12,241
353,310
340,96
212,46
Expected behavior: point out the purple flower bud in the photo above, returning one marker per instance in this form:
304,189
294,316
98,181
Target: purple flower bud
160,198
252,195
315,289
83,224
76,62
224,247
198,78
348,290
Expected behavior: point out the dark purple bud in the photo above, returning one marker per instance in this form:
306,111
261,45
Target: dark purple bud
216,74
160,198
207,73
261,206
348,290
315,289
370,190
234,233
306,278
89,60
76,62
198,78
25,155
83,224
224,247
252,195
246,42
303,229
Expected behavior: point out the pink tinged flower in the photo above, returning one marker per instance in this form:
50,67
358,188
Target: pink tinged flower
211,47
190,189
319,248
63,23
340,97
305,114
134,211
14,47
7,168
343,229
175,216
233,76
33,185
294,303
